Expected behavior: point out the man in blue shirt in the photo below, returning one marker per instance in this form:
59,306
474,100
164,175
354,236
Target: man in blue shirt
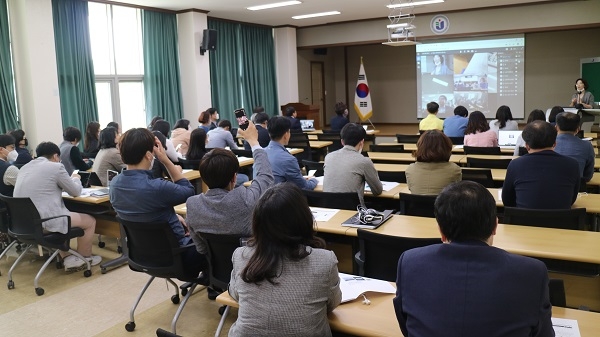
567,144
456,125
285,166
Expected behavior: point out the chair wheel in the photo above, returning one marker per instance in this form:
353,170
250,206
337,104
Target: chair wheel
101,244
175,299
39,291
184,291
222,310
102,270
130,326
87,273
60,265
10,284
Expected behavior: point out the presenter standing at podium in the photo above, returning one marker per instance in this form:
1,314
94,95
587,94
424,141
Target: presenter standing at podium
582,96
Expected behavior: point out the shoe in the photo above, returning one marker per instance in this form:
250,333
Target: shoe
212,293
203,279
73,263
94,259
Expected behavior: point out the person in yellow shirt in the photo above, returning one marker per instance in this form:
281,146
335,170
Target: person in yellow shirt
431,122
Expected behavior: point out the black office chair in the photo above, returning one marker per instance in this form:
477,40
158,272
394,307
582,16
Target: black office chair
408,139
399,177
386,148
522,151
6,241
335,138
331,132
457,140
164,333
314,165
558,297
493,150
379,253
189,164
25,225
300,140
242,153
417,205
154,250
482,176
488,163
220,248
347,201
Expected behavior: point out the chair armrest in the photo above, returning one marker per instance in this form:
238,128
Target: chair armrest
40,221
361,263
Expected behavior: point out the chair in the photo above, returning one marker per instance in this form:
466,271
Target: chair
335,138
220,248
386,148
163,333
399,177
408,139
300,140
331,132
242,153
314,165
488,163
557,293
9,241
417,205
482,176
522,151
379,253
457,140
25,225
153,249
347,201
493,150
189,164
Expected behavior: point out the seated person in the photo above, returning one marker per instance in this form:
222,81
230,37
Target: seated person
43,180
164,127
70,156
534,115
568,144
221,137
180,136
341,117
504,120
197,148
292,116
431,122
91,144
108,158
285,281
433,170
137,196
456,125
543,179
8,172
261,121
346,169
285,166
22,143
478,132
553,113
465,286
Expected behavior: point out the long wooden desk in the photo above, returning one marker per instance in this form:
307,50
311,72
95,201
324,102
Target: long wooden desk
591,202
319,144
379,318
404,157
391,194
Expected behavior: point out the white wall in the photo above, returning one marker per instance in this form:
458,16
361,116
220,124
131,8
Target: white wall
286,65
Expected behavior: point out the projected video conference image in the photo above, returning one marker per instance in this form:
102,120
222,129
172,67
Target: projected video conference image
477,74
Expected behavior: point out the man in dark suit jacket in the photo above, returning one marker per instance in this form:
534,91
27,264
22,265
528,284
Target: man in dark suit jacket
260,120
466,287
291,114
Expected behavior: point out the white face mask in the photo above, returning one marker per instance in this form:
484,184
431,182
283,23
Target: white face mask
12,156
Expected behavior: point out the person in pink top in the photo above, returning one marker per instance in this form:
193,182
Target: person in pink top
478,132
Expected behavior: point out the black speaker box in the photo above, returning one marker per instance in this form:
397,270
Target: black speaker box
320,51
209,40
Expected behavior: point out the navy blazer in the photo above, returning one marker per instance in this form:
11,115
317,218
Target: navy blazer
464,289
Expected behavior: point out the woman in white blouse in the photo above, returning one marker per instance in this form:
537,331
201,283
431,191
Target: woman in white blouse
504,120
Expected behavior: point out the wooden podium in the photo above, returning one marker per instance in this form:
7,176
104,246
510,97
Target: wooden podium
305,112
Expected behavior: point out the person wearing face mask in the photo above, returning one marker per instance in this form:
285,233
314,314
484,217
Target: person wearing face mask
137,196
21,144
346,169
8,172
582,97
70,155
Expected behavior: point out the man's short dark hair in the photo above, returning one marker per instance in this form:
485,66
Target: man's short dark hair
432,107
107,138
539,135
218,167
278,126
352,134
72,134
567,121
289,111
465,211
47,149
258,109
134,144
461,111
340,108
261,117
225,124
162,126
6,140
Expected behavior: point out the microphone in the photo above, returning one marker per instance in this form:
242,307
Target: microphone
579,92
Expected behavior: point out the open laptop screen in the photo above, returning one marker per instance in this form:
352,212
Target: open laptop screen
307,124
508,138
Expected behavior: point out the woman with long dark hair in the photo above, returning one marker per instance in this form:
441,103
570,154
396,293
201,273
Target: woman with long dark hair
197,147
504,120
90,142
478,132
108,158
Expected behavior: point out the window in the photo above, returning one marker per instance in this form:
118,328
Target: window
116,39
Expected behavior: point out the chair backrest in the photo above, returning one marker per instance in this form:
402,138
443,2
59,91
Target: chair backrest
386,148
399,177
332,200
482,176
220,248
488,163
557,293
522,151
24,221
574,218
417,205
242,153
314,165
335,138
380,253
190,164
408,139
332,132
457,140
300,140
482,150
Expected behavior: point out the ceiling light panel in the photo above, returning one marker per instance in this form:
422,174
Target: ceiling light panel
273,5
315,15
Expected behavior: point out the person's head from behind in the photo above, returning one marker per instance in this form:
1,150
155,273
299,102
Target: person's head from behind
109,138
539,135
282,228
261,118
197,147
204,117
137,146
476,123
536,115
568,122
218,169
553,112
153,121
162,126
20,139
290,111
92,130
258,109
340,108
49,151
353,134
182,124
213,114
225,124
461,111
503,114
72,134
114,125
279,129
432,107
466,211
7,145
433,147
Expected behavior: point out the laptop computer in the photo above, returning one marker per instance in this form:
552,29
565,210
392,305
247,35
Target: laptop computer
307,124
508,138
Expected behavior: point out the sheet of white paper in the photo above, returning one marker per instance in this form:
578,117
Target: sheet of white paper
387,186
500,194
85,192
353,286
320,180
311,173
186,171
323,214
564,327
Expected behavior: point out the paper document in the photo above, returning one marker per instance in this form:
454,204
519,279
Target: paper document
387,186
323,214
562,327
353,286
320,179
85,192
186,171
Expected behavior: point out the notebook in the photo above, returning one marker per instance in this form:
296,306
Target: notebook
354,221
307,124
508,138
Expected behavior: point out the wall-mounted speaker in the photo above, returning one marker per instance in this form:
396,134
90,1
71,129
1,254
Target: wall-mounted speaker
209,40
